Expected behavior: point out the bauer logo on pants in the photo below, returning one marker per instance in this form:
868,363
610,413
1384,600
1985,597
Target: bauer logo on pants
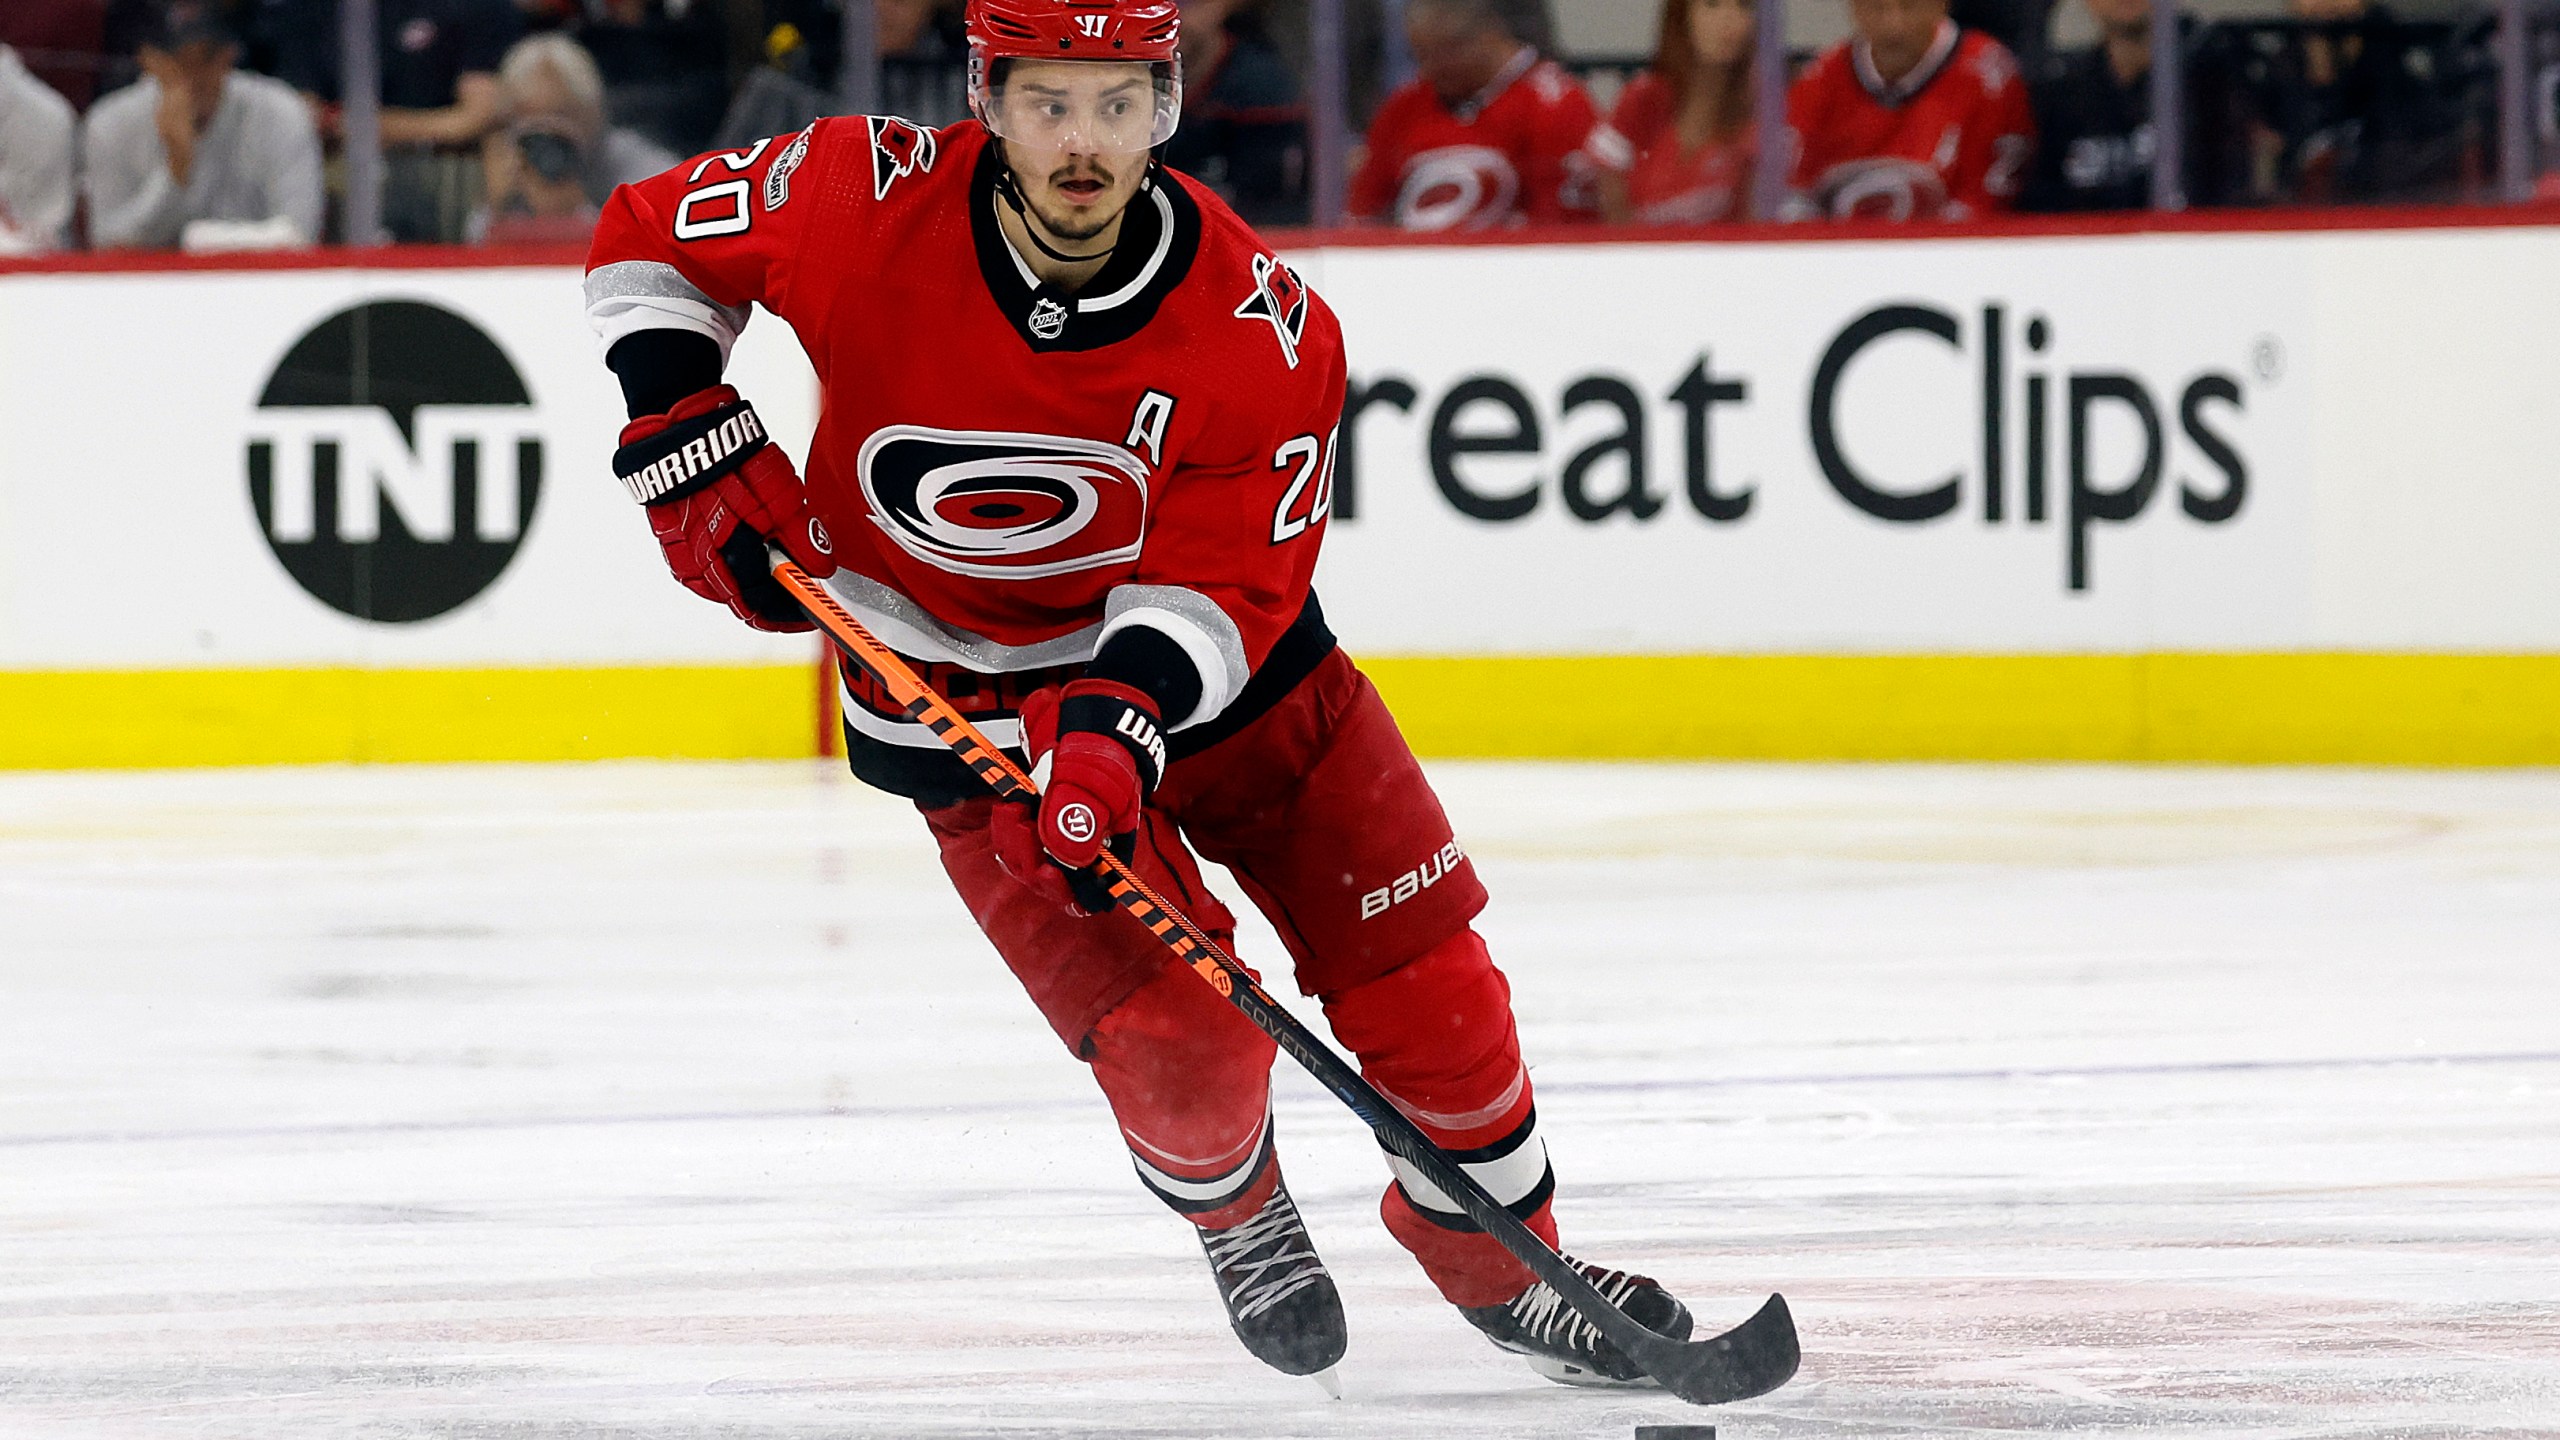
394,461
1412,882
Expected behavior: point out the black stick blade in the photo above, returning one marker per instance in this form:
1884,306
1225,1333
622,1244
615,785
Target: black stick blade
1753,1358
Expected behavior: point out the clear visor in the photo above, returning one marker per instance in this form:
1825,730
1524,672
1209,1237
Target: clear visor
1082,107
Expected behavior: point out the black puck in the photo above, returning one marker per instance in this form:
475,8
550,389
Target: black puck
1675,1432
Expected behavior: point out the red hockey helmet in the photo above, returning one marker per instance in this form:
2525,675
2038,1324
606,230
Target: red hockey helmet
1141,32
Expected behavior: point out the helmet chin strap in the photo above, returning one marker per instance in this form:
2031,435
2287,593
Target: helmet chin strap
1010,190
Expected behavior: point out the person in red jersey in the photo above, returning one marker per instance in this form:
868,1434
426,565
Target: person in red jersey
1687,122
1910,119
1074,461
1490,133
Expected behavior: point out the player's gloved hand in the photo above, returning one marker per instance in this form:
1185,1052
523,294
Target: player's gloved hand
1097,753
716,490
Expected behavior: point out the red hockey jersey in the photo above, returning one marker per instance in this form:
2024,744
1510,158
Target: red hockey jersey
1948,141
1011,473
1529,150
1667,183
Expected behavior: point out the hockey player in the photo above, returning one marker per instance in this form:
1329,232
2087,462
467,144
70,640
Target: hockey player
1910,118
1074,462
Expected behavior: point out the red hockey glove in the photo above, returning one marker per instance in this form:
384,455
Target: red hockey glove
716,490
1097,751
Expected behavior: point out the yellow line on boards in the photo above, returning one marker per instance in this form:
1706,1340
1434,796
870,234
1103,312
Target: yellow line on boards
108,719
2220,708
2250,709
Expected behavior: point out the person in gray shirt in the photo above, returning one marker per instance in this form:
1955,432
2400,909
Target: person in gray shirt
35,161
197,153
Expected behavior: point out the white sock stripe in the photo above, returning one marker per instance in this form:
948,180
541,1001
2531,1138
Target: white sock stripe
1509,1180
1217,1189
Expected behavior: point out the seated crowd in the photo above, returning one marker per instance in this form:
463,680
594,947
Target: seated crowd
207,124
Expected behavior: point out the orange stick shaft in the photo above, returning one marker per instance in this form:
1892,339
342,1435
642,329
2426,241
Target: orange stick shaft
1187,941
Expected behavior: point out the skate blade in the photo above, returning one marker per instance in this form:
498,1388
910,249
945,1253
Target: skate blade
1564,1373
1331,1382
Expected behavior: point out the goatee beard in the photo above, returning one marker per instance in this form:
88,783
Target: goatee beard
1068,230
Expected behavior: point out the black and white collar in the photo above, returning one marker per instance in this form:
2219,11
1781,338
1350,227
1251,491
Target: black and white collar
1942,48
1158,241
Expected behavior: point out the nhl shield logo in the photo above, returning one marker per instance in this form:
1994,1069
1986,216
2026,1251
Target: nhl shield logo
898,147
1280,297
1049,319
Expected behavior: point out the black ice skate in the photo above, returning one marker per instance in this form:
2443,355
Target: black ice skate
1278,1296
1568,1349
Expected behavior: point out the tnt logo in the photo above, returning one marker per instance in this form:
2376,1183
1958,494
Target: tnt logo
395,461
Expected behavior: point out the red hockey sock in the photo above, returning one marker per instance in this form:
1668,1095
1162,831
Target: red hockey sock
1190,1081
1436,1035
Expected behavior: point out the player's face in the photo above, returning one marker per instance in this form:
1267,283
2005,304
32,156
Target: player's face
1076,136
1720,30
1898,32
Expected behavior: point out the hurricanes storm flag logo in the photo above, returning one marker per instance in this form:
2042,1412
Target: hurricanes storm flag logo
1280,297
898,147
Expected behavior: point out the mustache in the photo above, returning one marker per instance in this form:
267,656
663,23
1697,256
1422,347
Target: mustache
1081,169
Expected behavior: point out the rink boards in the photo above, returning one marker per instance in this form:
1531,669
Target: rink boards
2236,496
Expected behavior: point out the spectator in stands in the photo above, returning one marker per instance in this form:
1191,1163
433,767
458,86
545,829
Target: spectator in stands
2358,108
551,169
665,65
62,42
440,98
2021,26
35,161
1687,122
1244,130
924,61
196,153
2095,143
1490,134
924,69
1911,118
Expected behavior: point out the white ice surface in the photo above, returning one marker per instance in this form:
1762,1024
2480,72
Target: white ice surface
637,1101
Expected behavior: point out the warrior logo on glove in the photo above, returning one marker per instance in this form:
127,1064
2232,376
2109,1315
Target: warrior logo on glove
1076,823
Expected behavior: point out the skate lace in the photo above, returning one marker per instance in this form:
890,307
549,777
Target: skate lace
1543,1314
1261,1281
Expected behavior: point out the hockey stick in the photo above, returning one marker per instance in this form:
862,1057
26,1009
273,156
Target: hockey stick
1753,1358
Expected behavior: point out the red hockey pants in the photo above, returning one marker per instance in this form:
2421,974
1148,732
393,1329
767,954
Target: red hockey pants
1324,816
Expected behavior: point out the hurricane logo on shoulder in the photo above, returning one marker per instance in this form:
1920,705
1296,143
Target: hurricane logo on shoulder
1005,505
1457,187
1280,297
898,147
